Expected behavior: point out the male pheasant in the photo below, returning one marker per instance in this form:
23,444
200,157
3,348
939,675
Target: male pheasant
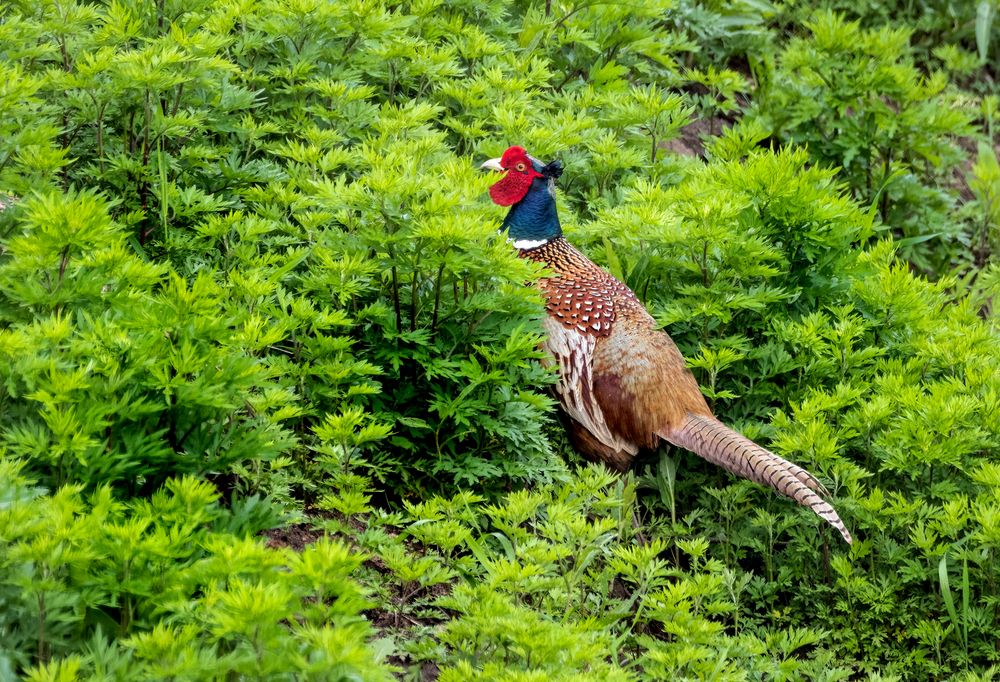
622,382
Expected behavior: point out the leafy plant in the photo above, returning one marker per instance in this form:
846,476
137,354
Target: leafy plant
170,586
854,97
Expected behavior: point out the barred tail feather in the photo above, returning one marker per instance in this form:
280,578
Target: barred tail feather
714,441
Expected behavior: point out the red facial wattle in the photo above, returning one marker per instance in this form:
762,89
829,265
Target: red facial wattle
512,187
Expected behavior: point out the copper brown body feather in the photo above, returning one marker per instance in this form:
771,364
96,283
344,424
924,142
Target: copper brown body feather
624,385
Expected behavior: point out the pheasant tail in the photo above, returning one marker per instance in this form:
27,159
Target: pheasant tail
712,440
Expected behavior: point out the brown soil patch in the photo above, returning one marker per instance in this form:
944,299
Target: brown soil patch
689,142
297,536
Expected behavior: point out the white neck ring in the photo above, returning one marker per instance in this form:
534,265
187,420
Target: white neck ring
525,244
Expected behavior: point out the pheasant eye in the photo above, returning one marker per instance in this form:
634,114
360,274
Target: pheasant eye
520,167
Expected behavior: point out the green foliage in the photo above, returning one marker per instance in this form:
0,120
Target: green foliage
891,382
555,583
133,372
172,586
293,267
933,22
854,97
725,256
722,31
984,209
440,308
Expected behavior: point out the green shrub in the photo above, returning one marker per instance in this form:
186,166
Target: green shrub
933,22
853,97
117,370
554,583
879,380
725,257
292,268
171,586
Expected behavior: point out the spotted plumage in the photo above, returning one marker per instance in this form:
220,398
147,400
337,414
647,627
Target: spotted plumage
580,296
623,384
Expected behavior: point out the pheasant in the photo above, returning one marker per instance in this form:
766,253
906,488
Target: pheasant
622,382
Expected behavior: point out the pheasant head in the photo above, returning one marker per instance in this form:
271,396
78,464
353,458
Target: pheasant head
528,187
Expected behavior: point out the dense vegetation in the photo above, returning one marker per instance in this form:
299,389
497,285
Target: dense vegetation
271,404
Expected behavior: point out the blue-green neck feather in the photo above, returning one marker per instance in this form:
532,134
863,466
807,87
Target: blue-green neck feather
534,217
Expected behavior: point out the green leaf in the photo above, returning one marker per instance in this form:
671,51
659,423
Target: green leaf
985,11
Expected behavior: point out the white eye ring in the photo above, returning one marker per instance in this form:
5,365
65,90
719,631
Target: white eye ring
520,166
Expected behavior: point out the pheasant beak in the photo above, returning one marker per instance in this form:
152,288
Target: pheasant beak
493,165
